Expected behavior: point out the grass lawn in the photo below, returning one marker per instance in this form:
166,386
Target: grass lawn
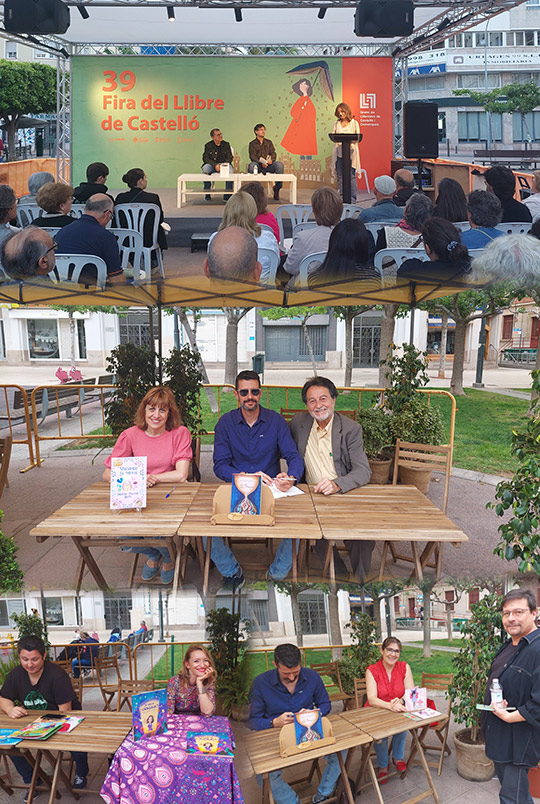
454,643
440,662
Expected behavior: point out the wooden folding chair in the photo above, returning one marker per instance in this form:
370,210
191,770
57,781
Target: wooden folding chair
360,692
5,455
439,682
331,669
122,688
288,413
420,456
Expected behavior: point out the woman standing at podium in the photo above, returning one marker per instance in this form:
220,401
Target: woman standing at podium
345,124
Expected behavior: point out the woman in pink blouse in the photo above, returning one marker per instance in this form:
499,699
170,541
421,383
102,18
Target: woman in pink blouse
193,690
159,435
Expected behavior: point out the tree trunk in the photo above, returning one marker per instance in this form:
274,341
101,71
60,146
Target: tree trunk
72,330
349,326
231,346
426,653
192,338
449,621
377,611
444,339
387,337
11,128
333,621
296,616
456,383
309,346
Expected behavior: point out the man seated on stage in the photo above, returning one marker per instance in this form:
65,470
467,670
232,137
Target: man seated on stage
88,235
275,696
96,176
217,152
28,253
232,254
37,684
253,439
262,155
404,180
384,208
333,450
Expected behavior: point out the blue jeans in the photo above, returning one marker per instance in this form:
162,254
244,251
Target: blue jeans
76,665
275,167
228,566
339,172
209,170
398,749
25,770
514,783
153,553
284,794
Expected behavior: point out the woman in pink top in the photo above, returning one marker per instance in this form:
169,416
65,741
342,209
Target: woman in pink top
264,218
159,435
193,690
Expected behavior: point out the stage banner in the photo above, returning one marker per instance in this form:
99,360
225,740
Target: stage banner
157,112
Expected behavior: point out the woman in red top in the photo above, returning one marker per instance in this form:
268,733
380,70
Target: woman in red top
386,682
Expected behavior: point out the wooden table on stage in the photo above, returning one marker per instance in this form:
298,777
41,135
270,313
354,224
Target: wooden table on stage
294,519
98,733
388,514
90,522
262,748
379,723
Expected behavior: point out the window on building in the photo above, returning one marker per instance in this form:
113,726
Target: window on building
81,338
312,612
423,82
117,611
455,41
474,596
495,39
520,38
54,614
472,127
480,39
43,54
11,50
254,612
529,39
526,78
508,326
468,39
449,597
532,4
528,129
478,81
43,341
9,606
135,328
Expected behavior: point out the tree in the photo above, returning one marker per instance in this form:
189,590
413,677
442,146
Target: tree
348,314
11,575
25,89
191,332
459,587
293,589
234,316
522,98
382,592
304,314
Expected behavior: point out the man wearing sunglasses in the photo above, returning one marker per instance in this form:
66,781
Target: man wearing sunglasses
512,729
28,253
253,439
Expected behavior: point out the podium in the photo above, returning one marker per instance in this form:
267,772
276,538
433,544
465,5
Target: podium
346,139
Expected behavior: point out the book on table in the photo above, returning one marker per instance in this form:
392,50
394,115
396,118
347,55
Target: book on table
209,742
41,729
149,713
9,737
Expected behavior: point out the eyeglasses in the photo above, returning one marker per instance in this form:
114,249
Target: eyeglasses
514,613
52,248
252,391
394,651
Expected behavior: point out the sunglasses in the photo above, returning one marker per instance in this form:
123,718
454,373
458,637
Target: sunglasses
252,391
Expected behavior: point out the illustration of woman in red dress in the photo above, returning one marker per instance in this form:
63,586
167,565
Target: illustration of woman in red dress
301,136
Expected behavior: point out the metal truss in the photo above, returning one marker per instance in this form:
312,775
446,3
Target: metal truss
447,4
401,92
243,51
63,121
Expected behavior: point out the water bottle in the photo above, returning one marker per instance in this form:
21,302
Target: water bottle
496,692
256,170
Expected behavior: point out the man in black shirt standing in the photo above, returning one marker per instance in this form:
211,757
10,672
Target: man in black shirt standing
217,152
37,684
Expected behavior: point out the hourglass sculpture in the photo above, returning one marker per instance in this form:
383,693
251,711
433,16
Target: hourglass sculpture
246,494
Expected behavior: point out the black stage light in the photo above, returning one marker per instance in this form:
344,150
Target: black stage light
322,13
238,14
83,12
170,13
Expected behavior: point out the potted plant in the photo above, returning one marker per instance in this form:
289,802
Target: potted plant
377,435
228,644
482,637
184,378
11,575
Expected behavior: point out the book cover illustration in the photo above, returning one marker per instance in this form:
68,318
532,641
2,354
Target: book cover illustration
209,743
415,699
128,483
149,713
9,737
246,493
70,723
308,726
41,729
422,714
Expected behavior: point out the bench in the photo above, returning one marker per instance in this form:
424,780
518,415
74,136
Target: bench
521,158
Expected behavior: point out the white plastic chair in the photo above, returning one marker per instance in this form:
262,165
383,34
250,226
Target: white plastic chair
374,226
52,230
268,257
351,211
131,247
362,173
462,226
77,209
69,268
298,213
26,214
514,228
133,216
311,259
397,256
300,227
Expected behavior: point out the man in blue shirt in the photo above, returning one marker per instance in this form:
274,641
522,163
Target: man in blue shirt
275,697
253,439
484,211
384,209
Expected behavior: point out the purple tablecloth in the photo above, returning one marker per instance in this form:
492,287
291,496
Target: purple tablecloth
158,770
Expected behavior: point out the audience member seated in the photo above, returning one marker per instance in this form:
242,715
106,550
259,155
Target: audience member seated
241,210
137,182
332,447
484,212
96,176
34,685
327,209
85,656
8,211
253,439
404,180
27,253
348,256
408,232
232,254
532,202
386,682
501,181
158,434
193,690
116,634
264,217
451,201
448,257
88,235
274,698
35,181
143,628
55,199
384,208
513,258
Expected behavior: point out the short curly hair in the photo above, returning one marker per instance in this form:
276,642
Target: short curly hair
51,195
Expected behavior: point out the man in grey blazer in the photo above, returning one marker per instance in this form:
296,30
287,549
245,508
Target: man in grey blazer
333,451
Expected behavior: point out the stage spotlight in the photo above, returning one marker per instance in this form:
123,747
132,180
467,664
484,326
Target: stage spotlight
238,14
443,24
322,13
170,13
83,12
